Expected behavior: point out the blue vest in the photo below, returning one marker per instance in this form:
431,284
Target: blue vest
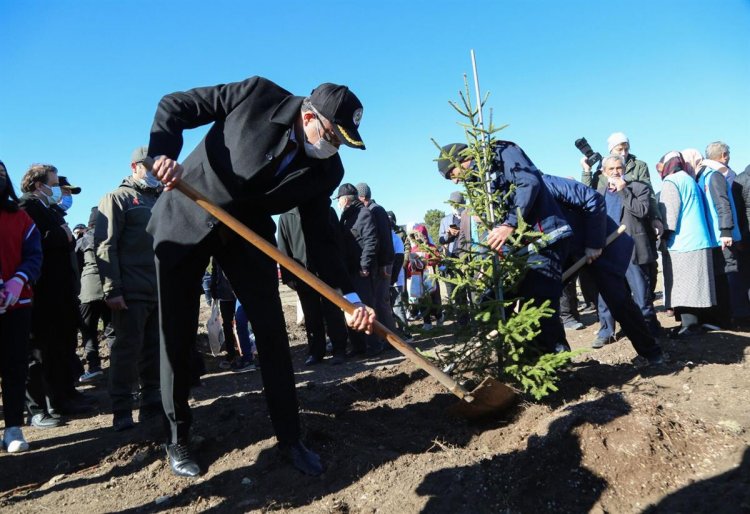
691,231
711,214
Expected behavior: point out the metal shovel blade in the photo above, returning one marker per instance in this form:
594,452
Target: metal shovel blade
488,399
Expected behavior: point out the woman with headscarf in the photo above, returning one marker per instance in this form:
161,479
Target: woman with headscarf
20,264
423,257
689,244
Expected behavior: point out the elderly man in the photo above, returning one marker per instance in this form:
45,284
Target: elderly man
381,279
514,171
627,204
359,239
716,180
125,260
266,152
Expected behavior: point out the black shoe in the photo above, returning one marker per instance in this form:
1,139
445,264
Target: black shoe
336,360
657,360
375,350
122,420
681,332
44,420
304,460
355,354
180,460
311,360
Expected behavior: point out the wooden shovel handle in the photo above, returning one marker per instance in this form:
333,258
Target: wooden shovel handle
582,261
321,287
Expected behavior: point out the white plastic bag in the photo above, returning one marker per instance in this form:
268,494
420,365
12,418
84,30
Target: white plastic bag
215,330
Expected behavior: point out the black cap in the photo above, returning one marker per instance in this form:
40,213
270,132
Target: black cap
346,190
343,109
63,182
445,165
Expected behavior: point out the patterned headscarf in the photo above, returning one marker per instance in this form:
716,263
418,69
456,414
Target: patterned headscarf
672,162
693,159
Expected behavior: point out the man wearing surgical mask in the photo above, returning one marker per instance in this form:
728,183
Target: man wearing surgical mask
266,152
55,316
125,259
67,191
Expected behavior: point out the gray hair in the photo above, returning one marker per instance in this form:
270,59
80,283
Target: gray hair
349,199
613,158
716,149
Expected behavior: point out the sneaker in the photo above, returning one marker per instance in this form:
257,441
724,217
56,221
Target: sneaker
441,320
427,326
225,364
600,342
122,420
573,325
13,440
44,420
91,375
243,365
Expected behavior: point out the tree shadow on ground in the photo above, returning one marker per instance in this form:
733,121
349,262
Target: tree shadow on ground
547,476
727,493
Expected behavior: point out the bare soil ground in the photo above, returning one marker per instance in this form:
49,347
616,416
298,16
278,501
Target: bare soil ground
615,438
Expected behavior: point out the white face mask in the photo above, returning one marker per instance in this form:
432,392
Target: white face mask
149,181
320,150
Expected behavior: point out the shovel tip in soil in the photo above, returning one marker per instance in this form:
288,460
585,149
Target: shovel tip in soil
488,399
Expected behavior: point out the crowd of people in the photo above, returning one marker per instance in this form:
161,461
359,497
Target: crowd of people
136,267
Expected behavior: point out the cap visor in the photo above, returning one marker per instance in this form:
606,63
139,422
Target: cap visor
349,136
73,190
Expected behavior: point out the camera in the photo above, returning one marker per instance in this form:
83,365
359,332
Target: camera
592,157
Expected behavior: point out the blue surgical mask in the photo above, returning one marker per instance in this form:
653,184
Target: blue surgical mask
55,195
66,202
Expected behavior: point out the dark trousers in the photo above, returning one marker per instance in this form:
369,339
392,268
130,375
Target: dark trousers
569,302
14,339
382,299
616,294
226,307
134,356
91,313
254,279
321,317
360,340
639,284
51,380
588,286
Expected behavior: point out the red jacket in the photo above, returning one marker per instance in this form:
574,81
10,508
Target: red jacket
20,252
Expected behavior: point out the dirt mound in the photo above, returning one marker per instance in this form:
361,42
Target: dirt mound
616,438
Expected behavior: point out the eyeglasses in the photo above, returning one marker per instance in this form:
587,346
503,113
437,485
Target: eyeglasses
328,133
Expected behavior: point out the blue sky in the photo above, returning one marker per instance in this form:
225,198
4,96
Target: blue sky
81,79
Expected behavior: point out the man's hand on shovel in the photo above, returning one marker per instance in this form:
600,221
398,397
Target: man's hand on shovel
168,171
361,319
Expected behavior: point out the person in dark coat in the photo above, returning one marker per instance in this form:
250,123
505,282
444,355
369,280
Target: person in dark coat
321,316
266,152
92,307
628,204
359,240
585,211
381,279
512,169
50,389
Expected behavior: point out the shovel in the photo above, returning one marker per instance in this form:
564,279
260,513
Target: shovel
582,261
491,396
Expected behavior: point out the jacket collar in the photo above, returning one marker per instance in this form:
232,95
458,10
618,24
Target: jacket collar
286,114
